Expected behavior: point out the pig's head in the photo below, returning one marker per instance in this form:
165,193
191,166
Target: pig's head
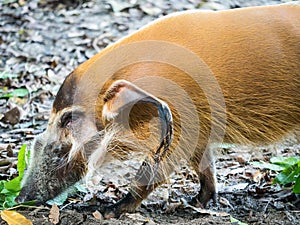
75,137
58,156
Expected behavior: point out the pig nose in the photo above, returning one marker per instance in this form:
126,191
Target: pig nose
25,195
26,198
20,199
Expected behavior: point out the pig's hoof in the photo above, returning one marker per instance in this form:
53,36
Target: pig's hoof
201,201
194,201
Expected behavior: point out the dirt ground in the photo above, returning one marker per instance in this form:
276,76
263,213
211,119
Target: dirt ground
41,41
245,193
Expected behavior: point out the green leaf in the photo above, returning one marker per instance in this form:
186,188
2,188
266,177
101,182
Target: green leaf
270,166
236,222
79,187
226,145
285,161
8,1
2,182
296,188
19,92
10,189
287,176
21,166
9,201
5,75
59,200
13,185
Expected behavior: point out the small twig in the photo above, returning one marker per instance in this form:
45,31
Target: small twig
266,207
7,162
202,211
66,205
289,216
28,206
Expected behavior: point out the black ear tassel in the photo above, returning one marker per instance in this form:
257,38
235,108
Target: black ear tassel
166,120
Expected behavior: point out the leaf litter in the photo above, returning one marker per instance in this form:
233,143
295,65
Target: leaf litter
41,41
14,218
54,214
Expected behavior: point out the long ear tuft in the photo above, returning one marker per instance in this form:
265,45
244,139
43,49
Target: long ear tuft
122,94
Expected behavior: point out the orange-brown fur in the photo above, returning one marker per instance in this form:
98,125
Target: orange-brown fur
254,55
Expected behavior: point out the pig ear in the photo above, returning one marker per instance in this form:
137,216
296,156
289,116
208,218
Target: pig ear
122,94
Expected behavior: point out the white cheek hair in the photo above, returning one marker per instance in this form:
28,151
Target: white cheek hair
98,157
76,147
108,114
78,140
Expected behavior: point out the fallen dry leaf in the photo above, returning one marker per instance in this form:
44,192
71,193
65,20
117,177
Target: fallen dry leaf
225,202
14,218
257,176
236,187
12,116
241,159
54,214
98,215
203,211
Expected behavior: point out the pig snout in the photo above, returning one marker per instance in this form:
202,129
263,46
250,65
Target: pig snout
26,196
50,172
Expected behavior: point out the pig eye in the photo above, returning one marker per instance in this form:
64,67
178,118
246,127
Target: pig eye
70,117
